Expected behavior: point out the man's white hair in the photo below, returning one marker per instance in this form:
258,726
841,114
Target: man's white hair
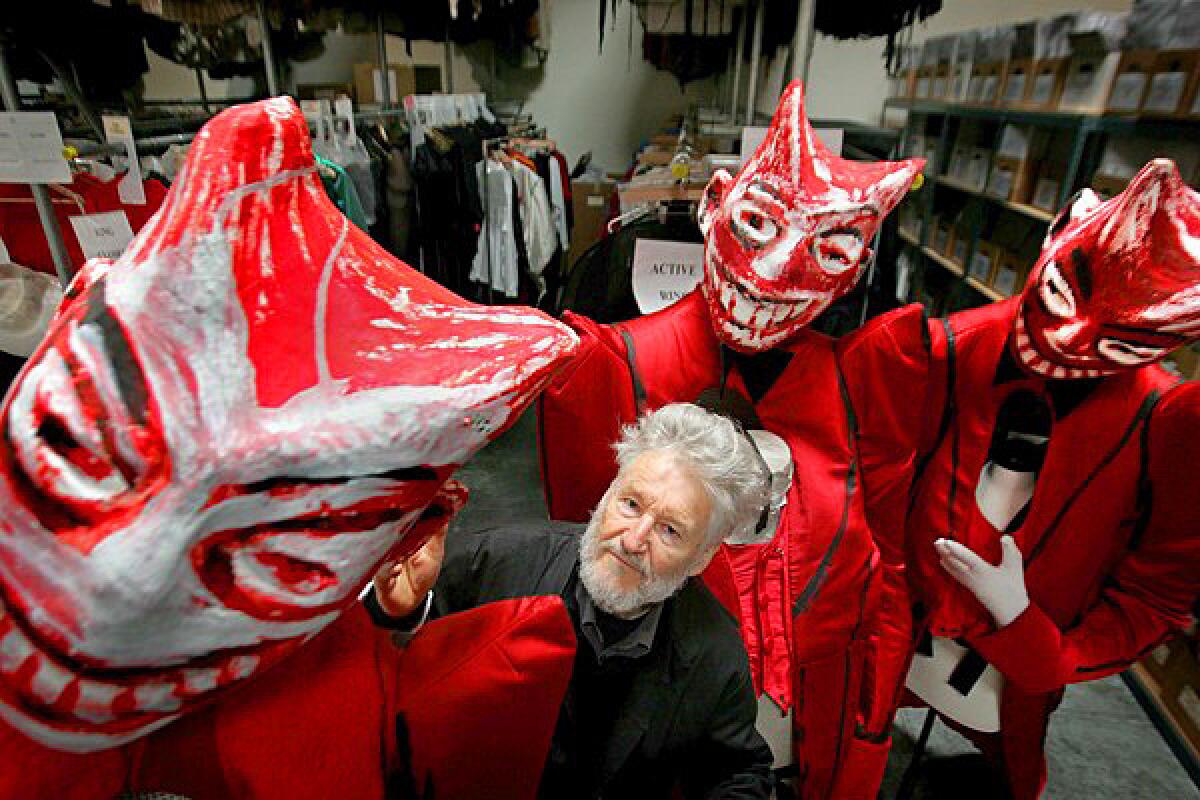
720,455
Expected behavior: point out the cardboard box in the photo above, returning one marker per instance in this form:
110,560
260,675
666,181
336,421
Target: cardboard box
590,202
943,229
1088,81
977,168
1046,86
983,262
1132,79
1172,84
403,80
989,91
958,244
1008,273
1016,82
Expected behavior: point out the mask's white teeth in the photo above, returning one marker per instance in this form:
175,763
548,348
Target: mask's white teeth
49,680
156,697
14,650
242,667
1058,372
199,681
95,701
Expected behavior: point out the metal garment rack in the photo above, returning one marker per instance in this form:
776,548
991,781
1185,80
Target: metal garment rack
1088,136
41,196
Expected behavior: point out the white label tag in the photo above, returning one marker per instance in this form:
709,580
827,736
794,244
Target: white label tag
1014,90
1127,91
990,84
1046,194
1006,281
1000,182
31,148
981,266
595,201
923,87
663,272
131,190
5,258
103,235
1166,90
939,87
1043,88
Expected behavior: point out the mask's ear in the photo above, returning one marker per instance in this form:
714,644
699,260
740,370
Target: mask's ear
714,195
1080,204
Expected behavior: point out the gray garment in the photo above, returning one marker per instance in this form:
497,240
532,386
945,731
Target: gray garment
636,643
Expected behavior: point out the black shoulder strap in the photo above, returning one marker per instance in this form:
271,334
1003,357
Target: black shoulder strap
639,390
1145,489
948,406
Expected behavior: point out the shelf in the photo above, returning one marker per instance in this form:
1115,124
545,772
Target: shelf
908,237
1091,121
1033,212
948,265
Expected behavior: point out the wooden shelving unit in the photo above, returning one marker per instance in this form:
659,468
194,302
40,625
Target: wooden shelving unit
1021,208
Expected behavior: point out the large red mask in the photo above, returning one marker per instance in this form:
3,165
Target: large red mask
223,436
1117,285
792,232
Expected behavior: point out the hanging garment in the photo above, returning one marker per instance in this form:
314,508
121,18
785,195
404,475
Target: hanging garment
341,191
537,220
495,262
558,202
399,200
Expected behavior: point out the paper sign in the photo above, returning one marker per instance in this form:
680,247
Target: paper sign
103,235
343,121
1166,90
118,131
663,272
31,148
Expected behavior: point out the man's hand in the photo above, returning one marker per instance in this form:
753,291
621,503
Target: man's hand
1001,589
401,586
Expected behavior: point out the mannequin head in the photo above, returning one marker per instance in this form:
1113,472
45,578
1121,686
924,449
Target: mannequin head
791,233
224,434
1117,285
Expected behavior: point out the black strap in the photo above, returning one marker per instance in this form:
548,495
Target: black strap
639,390
948,407
967,673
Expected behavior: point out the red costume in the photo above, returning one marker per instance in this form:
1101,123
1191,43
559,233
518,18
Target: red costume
782,241
223,436
1109,538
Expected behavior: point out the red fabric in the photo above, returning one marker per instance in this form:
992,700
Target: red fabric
317,726
21,229
813,660
1098,603
481,716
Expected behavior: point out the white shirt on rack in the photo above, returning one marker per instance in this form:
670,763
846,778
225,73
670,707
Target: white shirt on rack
559,202
495,261
537,220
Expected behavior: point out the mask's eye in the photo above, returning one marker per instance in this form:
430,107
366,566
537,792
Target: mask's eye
1056,293
839,250
754,226
1128,354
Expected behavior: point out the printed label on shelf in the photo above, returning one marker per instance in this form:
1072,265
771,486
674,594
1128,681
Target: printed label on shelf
103,235
1014,90
119,131
981,266
663,272
1127,91
31,148
990,84
923,87
939,87
1166,90
1043,88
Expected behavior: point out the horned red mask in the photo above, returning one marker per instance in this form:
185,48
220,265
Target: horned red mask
1117,285
792,232
224,435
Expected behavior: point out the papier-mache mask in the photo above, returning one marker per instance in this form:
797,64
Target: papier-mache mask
791,233
1117,285
225,433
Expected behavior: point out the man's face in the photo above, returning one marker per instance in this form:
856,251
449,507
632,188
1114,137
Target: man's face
792,232
224,434
647,536
1117,285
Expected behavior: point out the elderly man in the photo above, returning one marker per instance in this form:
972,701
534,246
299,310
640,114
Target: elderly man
661,694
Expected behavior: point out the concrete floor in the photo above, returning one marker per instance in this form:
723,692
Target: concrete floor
1101,744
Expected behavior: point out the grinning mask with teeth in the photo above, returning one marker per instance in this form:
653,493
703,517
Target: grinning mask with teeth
791,233
225,433
1117,285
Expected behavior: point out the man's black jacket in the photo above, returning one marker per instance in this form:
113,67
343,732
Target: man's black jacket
688,716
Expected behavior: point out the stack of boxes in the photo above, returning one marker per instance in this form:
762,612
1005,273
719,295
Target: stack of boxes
1146,61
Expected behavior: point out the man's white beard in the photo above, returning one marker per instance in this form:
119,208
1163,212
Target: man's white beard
601,584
